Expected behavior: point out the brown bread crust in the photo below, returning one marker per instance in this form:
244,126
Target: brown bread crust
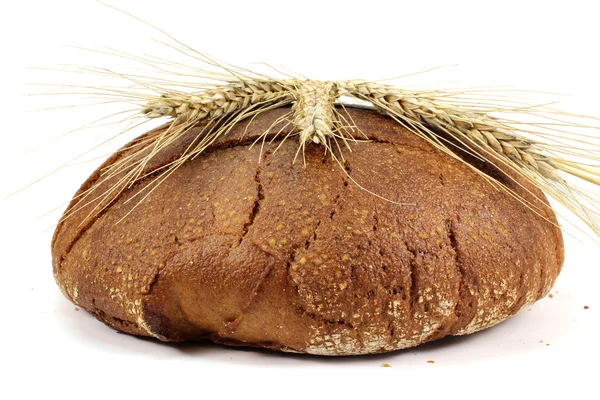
295,258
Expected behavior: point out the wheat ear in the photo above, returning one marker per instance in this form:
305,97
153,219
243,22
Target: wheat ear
477,127
229,104
214,103
436,117
547,153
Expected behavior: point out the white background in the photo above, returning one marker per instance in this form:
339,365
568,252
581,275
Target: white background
49,349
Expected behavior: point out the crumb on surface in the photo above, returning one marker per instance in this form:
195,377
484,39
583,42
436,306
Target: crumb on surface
551,295
76,308
386,365
431,361
547,344
585,307
541,341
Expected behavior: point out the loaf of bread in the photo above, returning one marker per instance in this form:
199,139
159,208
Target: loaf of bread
242,246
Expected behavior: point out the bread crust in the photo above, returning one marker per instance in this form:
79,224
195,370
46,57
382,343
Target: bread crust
299,258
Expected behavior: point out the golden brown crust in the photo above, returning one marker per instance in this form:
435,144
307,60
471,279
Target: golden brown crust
301,259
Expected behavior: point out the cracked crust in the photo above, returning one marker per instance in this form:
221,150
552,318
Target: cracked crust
296,258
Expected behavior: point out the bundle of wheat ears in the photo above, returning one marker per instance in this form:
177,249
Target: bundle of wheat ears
548,152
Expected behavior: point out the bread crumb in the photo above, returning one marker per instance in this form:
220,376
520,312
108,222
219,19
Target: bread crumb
386,365
431,361
547,344
551,295
541,341
76,308
585,307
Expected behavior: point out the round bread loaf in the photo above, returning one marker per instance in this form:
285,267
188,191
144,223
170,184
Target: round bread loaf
244,247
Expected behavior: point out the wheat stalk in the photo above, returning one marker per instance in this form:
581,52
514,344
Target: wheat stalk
215,103
546,153
316,120
238,100
314,111
477,127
